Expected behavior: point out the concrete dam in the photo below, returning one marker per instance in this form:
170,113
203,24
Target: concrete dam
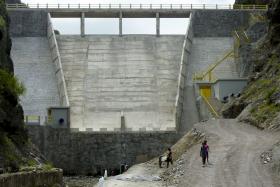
133,76
132,95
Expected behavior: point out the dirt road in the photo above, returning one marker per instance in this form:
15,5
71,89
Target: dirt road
235,150
234,157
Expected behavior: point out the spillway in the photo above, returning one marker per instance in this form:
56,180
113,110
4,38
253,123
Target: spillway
134,76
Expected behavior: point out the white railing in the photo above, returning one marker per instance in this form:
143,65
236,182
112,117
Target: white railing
138,6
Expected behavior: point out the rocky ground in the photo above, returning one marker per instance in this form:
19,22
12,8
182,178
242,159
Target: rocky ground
240,155
80,181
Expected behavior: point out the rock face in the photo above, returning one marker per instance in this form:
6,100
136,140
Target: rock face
13,134
11,111
261,98
274,20
5,41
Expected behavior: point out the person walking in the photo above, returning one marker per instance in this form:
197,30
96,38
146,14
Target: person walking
169,157
203,153
207,151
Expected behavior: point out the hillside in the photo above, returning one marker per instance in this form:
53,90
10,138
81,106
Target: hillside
16,152
259,103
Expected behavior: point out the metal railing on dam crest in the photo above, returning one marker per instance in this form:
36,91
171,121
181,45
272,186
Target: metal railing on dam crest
139,6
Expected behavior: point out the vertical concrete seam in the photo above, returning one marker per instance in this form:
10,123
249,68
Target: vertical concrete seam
120,24
157,24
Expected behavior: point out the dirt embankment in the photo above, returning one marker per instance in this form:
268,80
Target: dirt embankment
240,155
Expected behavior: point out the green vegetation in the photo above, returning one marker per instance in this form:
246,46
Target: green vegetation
8,152
263,93
9,83
2,23
264,113
15,147
47,167
257,90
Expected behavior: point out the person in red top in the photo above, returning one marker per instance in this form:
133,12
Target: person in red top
207,151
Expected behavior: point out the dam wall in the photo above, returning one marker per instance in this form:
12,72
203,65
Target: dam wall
33,66
110,77
28,23
210,41
218,23
92,152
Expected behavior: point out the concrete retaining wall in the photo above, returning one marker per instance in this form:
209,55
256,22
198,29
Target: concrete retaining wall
90,153
229,86
204,111
57,62
32,179
218,23
28,23
186,51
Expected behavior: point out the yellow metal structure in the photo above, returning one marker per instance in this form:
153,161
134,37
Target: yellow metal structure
213,111
258,17
240,36
205,91
208,74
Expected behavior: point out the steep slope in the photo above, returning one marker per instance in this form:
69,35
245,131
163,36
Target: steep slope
16,152
260,101
12,130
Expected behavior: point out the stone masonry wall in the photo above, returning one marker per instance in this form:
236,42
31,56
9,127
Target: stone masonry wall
91,153
32,179
218,23
28,23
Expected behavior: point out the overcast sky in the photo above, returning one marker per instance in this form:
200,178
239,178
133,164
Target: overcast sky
130,25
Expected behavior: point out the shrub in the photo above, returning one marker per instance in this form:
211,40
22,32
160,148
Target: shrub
10,83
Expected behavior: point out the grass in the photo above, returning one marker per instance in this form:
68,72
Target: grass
265,112
47,167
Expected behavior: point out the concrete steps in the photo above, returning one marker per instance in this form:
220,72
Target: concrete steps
107,76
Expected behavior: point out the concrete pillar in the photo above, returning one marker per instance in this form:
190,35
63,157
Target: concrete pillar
158,24
82,24
120,24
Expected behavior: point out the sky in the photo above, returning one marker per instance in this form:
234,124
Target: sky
130,25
